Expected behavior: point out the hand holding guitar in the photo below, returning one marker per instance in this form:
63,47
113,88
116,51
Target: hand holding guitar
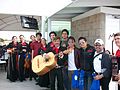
46,57
11,50
61,54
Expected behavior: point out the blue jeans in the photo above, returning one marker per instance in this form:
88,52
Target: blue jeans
87,80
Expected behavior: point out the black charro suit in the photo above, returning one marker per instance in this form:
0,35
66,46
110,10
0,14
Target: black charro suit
57,72
77,57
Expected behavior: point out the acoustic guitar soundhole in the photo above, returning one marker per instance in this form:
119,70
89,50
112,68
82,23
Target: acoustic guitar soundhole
46,60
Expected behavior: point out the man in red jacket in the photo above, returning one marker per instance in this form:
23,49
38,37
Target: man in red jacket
117,42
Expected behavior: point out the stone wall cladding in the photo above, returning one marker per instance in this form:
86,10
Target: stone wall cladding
91,27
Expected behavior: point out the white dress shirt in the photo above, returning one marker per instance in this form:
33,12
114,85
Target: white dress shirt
71,61
97,63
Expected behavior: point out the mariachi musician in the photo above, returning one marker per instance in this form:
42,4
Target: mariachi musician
35,47
12,70
60,59
33,39
43,80
23,52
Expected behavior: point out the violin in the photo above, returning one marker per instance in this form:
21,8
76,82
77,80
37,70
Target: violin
11,50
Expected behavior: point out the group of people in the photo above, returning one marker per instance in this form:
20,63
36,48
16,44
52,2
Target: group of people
87,58
18,51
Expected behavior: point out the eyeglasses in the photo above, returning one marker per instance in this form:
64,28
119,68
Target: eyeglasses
81,43
97,45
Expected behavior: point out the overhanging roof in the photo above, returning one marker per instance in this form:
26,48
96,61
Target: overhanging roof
81,6
13,22
32,7
10,11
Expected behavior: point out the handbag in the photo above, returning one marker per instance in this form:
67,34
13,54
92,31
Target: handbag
95,84
75,79
81,80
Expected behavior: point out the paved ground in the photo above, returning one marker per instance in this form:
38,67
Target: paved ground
26,85
5,84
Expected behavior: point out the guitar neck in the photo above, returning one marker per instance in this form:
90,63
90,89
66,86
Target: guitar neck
64,52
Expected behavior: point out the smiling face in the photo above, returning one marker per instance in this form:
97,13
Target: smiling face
21,38
82,43
117,40
57,42
71,43
64,35
14,39
98,47
38,37
52,36
32,37
43,41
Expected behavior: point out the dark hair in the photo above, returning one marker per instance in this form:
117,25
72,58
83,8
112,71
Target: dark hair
52,33
44,39
117,34
82,38
71,37
32,36
39,34
57,37
21,35
65,30
13,37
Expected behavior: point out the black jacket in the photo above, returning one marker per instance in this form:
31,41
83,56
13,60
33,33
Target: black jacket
107,65
86,58
77,57
60,61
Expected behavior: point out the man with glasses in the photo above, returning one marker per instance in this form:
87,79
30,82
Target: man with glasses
102,65
86,61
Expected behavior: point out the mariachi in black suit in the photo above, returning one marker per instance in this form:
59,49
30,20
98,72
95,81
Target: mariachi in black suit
57,71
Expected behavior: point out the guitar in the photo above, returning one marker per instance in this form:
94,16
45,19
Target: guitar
41,65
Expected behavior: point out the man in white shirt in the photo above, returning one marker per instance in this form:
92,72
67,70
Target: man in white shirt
102,65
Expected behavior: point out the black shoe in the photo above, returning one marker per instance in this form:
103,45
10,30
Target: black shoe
30,79
21,80
48,86
37,83
35,78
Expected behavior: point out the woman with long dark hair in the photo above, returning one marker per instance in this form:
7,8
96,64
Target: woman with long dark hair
12,69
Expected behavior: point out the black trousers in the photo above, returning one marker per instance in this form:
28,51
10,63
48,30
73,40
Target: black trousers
21,67
43,80
12,73
104,82
56,73
118,87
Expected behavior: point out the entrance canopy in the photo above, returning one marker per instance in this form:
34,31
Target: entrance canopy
10,11
32,7
79,7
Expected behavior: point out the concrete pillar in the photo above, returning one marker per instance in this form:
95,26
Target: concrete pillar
43,27
49,29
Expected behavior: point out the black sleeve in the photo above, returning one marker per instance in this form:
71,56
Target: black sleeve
107,64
